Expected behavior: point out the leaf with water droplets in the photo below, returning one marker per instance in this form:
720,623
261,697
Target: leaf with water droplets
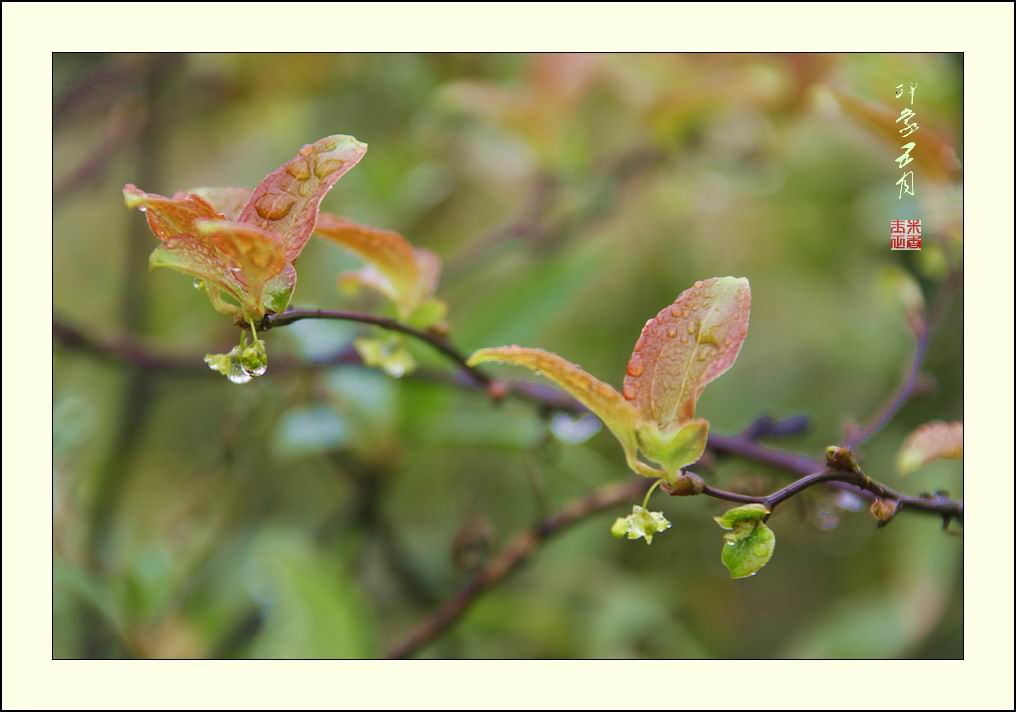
932,441
227,200
170,217
174,221
255,258
601,398
285,204
405,275
685,347
750,543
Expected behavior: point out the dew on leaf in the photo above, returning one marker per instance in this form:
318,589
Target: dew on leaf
274,206
298,169
325,168
635,366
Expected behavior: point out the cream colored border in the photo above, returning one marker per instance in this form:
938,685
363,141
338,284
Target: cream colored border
983,31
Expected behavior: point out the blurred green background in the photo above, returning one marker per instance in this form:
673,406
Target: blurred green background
324,512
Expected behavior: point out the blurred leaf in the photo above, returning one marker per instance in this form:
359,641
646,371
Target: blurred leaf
389,353
405,275
932,441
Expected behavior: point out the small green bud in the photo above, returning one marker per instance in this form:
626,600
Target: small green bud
619,528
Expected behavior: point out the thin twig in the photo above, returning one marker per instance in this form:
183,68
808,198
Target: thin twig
435,341
924,326
511,557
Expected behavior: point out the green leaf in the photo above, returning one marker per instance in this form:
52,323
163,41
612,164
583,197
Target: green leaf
750,543
428,314
679,447
932,441
279,289
686,346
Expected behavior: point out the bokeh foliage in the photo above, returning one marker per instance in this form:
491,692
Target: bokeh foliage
323,512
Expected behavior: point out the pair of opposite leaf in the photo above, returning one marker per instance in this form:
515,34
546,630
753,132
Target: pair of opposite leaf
240,245
680,351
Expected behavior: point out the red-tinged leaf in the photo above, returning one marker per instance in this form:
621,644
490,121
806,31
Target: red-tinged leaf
406,275
685,347
255,258
285,204
601,398
228,201
429,266
389,251
197,257
170,217
932,441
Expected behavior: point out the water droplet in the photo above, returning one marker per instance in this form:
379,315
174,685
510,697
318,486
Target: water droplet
198,284
635,366
671,333
274,206
259,371
698,284
239,375
324,145
298,169
629,391
693,326
323,169
143,208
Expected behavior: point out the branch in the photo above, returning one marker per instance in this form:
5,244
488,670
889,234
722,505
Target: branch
124,350
511,557
432,339
744,445
855,482
923,324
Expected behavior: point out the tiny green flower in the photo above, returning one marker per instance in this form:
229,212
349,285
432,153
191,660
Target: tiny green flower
641,523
